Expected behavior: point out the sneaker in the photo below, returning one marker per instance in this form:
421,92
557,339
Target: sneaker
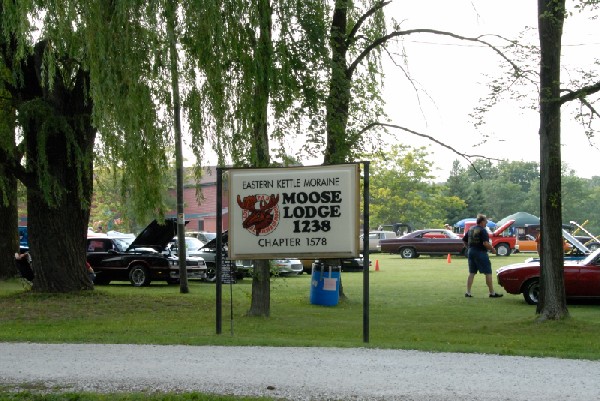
496,295
467,295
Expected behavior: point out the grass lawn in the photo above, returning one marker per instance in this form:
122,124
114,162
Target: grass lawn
414,304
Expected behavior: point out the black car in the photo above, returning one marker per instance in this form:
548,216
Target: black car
208,252
145,260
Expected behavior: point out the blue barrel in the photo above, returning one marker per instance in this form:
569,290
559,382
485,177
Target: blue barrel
325,285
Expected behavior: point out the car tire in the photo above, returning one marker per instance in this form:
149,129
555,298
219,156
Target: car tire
531,291
594,246
408,253
211,273
502,250
139,277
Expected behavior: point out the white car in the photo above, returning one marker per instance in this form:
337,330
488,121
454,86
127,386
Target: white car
374,238
287,267
192,246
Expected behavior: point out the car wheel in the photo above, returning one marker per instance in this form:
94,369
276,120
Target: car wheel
408,253
139,277
502,250
594,246
531,291
211,273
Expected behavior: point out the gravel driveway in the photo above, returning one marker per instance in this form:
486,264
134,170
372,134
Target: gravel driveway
298,373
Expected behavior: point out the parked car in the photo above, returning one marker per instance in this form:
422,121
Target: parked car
347,264
203,236
287,267
353,264
192,246
374,238
527,243
588,241
209,253
503,242
581,278
145,259
433,241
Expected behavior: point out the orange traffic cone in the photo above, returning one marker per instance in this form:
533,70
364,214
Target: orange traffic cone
377,265
449,258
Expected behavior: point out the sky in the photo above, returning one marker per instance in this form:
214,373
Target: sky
452,79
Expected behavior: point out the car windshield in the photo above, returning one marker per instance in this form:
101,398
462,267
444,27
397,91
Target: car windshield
193,244
205,237
450,234
122,243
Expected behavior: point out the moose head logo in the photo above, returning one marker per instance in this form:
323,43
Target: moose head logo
260,213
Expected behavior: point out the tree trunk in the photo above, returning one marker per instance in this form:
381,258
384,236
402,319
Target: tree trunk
59,149
8,193
552,303
338,99
261,289
261,279
8,227
182,251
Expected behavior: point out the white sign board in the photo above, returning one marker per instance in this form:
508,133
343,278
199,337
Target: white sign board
302,212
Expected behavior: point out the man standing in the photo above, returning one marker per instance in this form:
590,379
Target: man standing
477,240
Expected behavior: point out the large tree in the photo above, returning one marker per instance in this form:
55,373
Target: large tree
251,86
551,16
92,68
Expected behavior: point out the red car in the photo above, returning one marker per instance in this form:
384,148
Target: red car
582,278
501,240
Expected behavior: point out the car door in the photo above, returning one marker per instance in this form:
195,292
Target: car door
438,242
587,281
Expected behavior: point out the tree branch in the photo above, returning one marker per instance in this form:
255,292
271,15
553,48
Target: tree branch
351,36
580,94
463,155
384,39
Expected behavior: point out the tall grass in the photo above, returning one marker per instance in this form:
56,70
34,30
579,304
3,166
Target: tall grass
414,304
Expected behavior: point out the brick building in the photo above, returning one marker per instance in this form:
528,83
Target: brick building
202,215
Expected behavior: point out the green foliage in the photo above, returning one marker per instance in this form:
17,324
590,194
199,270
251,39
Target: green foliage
401,190
224,69
511,187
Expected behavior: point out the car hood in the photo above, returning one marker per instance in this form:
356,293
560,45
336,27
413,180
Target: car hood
503,227
212,244
575,242
517,266
156,235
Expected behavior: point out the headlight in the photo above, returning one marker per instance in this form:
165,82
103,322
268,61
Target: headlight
173,262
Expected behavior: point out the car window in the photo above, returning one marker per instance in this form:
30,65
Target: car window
96,245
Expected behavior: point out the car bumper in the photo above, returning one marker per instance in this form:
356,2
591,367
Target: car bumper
191,274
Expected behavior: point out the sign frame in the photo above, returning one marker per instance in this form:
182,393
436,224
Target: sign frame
302,212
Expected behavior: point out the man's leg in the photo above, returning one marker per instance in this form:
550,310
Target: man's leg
490,283
470,282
